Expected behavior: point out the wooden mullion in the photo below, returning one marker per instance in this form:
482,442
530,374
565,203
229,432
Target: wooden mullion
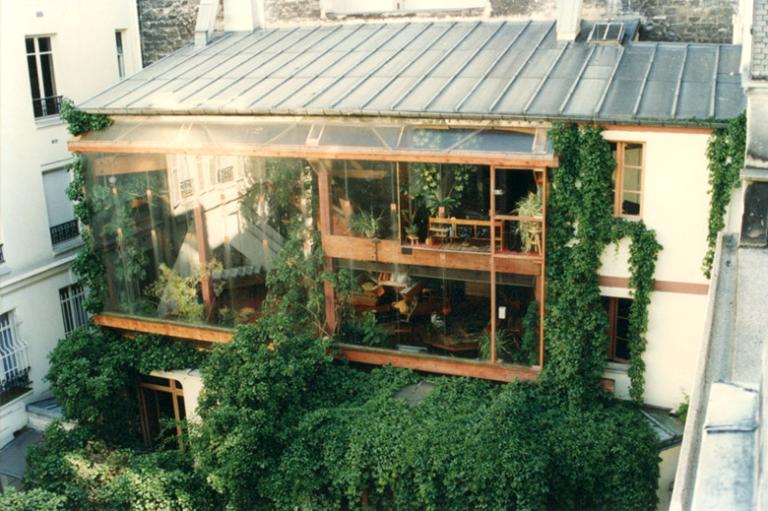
492,262
542,292
324,191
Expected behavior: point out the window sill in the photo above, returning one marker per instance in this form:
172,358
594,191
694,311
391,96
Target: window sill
67,246
48,121
617,367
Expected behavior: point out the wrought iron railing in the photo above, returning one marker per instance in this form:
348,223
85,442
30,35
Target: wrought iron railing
64,232
44,107
14,361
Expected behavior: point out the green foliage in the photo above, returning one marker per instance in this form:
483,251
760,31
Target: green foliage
364,330
255,390
91,476
529,206
436,186
93,373
681,412
529,347
284,428
88,265
580,226
79,122
725,153
177,294
365,223
31,500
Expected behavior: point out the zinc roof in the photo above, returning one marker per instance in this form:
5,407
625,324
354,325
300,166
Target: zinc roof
490,69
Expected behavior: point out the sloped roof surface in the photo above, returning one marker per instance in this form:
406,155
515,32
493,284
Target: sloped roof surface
455,69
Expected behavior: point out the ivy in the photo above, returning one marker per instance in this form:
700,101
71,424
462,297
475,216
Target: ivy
725,154
580,226
89,263
93,372
79,122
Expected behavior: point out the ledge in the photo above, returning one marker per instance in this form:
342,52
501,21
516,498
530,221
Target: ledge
162,327
435,364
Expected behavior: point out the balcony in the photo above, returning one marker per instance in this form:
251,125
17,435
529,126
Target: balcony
45,107
64,232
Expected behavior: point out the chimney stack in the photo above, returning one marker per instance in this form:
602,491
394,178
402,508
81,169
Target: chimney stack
206,22
243,15
568,19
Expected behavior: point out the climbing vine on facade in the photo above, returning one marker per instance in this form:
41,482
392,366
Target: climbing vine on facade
89,264
581,225
725,153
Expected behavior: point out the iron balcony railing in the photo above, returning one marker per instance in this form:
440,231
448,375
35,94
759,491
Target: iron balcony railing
44,107
64,232
14,361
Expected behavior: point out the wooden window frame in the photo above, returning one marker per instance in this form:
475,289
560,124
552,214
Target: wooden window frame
613,317
618,178
176,390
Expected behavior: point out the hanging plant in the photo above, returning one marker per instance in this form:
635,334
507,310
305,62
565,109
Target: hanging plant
725,153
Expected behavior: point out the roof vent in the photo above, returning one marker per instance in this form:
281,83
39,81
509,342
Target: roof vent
607,34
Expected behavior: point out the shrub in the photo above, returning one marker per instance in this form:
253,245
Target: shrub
31,500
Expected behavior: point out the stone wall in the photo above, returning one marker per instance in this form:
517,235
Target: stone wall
662,20
166,25
759,67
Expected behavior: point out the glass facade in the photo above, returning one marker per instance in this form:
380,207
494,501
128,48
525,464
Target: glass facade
445,257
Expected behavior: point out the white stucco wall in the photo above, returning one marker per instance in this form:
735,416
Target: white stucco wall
84,61
676,206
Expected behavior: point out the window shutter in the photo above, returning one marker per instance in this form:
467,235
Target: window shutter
59,205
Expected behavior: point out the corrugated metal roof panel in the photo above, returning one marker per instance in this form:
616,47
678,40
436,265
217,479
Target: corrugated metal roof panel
448,68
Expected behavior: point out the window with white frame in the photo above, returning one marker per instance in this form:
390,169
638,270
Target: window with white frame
61,216
42,81
14,359
120,53
72,310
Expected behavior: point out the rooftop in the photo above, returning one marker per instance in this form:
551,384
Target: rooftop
441,69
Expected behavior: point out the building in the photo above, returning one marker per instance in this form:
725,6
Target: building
418,149
43,44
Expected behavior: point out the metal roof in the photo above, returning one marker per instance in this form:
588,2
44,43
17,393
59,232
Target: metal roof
445,69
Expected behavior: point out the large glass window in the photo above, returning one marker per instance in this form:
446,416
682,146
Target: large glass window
192,237
618,310
161,404
14,357
42,80
415,309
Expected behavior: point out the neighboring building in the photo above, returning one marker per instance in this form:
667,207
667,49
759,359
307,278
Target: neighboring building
167,25
724,456
50,49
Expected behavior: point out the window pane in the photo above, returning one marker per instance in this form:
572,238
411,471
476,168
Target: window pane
30,42
633,155
46,64
631,204
119,41
622,348
34,84
44,43
59,206
632,178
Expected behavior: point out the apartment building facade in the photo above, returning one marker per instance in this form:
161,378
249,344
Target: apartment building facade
50,50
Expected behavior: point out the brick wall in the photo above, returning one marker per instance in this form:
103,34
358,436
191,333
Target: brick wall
166,25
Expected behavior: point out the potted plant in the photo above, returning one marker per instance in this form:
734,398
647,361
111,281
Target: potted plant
529,206
411,227
366,224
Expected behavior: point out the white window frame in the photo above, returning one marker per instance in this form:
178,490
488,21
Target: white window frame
120,49
71,299
39,68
